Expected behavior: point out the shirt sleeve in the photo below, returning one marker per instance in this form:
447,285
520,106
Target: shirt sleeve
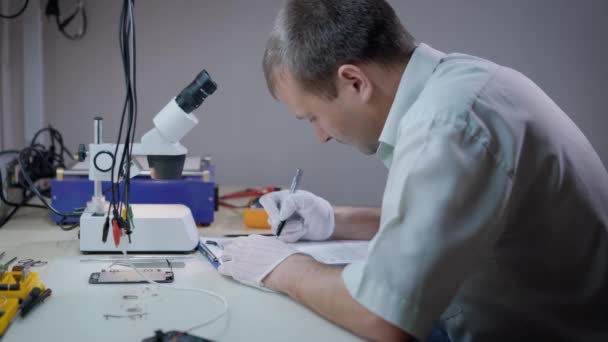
442,209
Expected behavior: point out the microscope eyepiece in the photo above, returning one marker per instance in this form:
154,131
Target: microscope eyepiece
196,92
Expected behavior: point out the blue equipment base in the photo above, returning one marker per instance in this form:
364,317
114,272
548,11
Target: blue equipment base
75,191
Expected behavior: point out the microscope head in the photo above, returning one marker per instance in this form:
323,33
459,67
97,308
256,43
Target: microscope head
166,156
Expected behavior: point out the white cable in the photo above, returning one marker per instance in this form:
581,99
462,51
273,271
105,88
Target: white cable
206,292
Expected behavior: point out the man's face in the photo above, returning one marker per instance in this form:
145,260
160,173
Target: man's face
347,118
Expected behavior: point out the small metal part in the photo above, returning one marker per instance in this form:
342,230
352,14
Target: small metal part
140,258
98,122
152,264
134,309
129,297
131,316
31,263
206,176
97,137
206,163
10,262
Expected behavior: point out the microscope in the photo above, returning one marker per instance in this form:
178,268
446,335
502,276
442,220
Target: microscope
156,227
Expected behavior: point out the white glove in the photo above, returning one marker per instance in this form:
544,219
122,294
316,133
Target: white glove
250,259
310,217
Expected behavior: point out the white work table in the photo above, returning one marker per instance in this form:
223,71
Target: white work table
75,311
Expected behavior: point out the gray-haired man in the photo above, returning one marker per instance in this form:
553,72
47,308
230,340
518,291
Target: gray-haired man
494,217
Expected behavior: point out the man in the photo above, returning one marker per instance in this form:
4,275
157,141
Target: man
494,217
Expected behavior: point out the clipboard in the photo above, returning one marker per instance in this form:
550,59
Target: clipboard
209,254
332,252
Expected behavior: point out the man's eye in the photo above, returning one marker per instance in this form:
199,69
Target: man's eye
313,119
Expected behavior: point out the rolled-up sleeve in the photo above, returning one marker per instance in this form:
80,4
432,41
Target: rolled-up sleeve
443,207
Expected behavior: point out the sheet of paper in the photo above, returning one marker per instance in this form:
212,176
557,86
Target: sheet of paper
328,252
335,252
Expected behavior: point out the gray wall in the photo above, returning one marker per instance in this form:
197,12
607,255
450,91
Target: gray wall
11,78
560,44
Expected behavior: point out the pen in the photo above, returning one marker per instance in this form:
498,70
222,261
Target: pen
214,243
292,189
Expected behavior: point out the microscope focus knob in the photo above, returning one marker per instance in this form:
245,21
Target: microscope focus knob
82,152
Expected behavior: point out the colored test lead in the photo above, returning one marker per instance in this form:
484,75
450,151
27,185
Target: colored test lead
106,229
292,189
116,232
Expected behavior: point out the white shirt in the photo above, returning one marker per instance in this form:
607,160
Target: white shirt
495,213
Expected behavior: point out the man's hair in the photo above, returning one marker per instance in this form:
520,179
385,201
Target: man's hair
311,39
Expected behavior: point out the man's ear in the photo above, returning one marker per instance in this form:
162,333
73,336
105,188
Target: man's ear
353,79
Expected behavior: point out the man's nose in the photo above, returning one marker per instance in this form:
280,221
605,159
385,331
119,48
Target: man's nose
321,134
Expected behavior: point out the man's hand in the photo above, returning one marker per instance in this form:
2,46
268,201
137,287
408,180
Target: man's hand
250,259
310,217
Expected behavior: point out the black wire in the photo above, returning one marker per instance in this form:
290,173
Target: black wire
55,135
16,208
33,187
134,93
23,202
63,227
61,24
20,12
37,162
127,45
9,216
8,152
115,189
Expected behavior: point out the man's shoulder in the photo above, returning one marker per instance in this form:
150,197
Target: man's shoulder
447,104
450,93
456,83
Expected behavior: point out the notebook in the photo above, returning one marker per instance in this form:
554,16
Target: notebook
334,252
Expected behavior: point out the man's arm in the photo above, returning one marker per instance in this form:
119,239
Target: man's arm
356,223
321,288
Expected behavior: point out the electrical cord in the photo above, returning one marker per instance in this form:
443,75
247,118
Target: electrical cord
33,163
127,44
23,202
67,228
21,160
52,9
9,216
16,207
8,152
55,136
217,296
17,14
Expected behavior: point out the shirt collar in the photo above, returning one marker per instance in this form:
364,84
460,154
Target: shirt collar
419,69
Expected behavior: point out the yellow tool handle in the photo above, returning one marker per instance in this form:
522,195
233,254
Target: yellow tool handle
256,218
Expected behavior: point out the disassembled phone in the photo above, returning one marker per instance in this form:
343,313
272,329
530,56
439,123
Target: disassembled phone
174,336
130,276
